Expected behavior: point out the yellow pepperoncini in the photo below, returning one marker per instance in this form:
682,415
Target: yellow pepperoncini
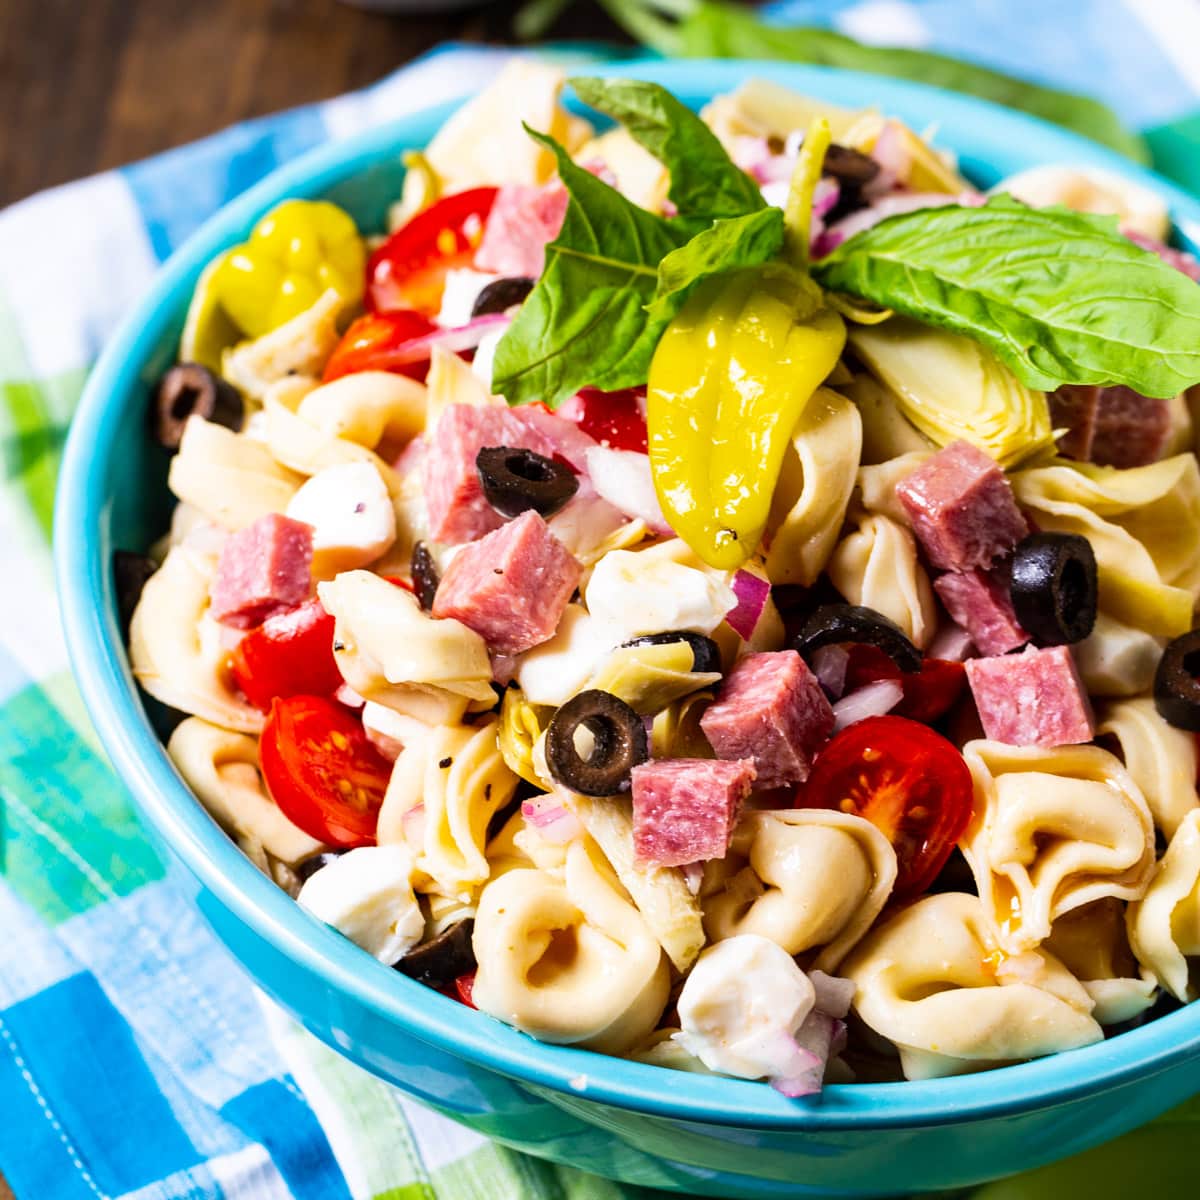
729,380
296,253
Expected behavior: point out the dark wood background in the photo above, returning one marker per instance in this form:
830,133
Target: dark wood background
90,84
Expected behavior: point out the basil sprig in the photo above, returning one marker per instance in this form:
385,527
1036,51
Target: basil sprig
616,274
1058,296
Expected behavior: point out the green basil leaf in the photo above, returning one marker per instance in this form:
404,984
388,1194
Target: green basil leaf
704,180
1058,296
711,29
585,322
746,241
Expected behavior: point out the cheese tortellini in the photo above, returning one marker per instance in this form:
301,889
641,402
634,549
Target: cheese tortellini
569,960
1052,830
1161,759
815,484
232,480
221,767
933,981
1149,574
1164,927
1091,943
457,775
811,880
391,652
877,566
175,648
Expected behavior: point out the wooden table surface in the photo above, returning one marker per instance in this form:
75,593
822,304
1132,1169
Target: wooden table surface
87,86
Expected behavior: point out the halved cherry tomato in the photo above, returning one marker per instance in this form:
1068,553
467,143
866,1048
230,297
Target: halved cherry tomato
928,693
371,342
464,985
323,771
615,418
287,655
409,269
908,781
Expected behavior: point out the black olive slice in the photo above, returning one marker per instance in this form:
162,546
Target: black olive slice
310,866
130,574
620,744
440,961
1176,688
833,624
516,480
425,575
706,658
186,390
502,294
1054,589
849,166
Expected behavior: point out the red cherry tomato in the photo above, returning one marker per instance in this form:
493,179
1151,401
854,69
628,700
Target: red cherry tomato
409,269
908,781
287,655
464,985
372,342
323,771
615,418
928,693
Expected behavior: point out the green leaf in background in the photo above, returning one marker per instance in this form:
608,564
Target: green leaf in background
585,323
1058,296
717,29
745,241
704,181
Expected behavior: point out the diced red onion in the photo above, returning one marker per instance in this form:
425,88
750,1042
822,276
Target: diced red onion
464,337
504,668
622,477
1179,259
752,592
825,196
888,206
834,994
801,1070
891,153
951,643
412,824
872,700
829,664
552,819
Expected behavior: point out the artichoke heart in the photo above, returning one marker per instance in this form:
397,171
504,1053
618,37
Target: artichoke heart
650,677
521,724
950,387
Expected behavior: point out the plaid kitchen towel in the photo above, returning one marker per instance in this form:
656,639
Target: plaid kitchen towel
135,1059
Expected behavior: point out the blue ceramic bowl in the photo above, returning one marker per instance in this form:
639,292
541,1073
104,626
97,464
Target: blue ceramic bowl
642,1124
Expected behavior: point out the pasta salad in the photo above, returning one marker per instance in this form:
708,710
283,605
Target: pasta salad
717,590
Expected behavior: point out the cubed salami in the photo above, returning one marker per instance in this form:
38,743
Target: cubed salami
1132,430
458,510
962,508
1032,699
263,569
981,605
684,809
511,586
1111,426
1073,410
772,710
522,222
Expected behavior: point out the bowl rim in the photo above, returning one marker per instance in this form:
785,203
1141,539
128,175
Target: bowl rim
139,758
